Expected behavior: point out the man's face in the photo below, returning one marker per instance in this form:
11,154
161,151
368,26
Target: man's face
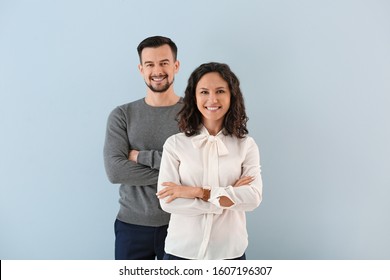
158,67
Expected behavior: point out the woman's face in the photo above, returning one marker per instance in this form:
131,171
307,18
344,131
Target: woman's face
213,99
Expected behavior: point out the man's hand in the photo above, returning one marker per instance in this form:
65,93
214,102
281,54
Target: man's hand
133,155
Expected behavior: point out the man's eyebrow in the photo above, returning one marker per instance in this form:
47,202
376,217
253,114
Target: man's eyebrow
163,60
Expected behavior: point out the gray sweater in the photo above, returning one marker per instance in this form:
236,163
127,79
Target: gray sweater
139,126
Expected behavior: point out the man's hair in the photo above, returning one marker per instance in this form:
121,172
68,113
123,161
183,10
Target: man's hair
155,42
235,119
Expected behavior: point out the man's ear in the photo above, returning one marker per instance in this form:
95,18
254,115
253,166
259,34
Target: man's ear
177,66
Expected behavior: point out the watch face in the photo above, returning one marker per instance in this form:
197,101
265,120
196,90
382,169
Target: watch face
206,194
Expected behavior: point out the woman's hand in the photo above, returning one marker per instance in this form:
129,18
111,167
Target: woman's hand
243,181
173,191
224,201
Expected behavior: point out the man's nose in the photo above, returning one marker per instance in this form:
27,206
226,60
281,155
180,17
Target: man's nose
157,70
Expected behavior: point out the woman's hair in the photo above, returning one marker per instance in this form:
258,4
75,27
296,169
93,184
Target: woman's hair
235,119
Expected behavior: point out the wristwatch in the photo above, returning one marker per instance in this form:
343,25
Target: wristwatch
206,193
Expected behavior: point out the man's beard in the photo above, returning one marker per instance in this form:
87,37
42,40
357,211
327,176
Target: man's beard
164,88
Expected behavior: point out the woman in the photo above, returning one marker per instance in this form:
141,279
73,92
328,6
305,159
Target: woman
210,172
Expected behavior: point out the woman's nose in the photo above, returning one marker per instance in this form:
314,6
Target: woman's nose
213,97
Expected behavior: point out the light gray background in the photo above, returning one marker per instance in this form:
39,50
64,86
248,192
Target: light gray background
316,81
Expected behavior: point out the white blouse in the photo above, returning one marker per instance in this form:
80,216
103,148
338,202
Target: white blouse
206,230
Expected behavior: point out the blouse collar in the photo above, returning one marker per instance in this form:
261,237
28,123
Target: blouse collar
204,137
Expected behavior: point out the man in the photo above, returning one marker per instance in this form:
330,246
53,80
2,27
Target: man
133,146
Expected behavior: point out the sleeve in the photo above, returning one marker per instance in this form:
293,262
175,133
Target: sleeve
247,197
150,158
169,172
119,169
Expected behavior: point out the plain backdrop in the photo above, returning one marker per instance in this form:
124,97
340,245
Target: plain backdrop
316,81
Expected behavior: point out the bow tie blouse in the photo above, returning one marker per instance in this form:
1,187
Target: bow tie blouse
203,229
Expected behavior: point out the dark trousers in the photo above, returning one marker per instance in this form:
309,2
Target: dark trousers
134,242
172,257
